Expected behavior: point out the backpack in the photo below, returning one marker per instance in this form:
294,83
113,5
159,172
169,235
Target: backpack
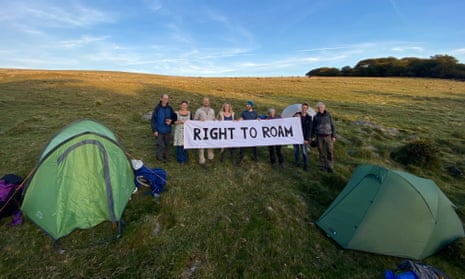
154,178
10,197
422,270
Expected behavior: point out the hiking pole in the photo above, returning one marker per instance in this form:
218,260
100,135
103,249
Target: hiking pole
17,189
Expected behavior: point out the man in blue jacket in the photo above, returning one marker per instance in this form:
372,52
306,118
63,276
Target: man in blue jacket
162,117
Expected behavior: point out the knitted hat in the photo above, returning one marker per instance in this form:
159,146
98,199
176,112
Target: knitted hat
136,164
249,102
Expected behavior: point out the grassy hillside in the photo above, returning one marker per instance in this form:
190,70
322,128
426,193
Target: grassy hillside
224,221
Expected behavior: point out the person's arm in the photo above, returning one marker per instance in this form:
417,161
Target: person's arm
308,129
313,131
174,117
333,129
153,122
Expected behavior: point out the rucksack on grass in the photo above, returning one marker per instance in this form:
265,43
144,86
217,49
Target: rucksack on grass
416,270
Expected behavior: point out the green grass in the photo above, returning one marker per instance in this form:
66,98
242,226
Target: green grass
223,221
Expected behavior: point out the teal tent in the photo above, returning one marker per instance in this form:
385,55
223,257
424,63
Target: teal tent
83,178
392,213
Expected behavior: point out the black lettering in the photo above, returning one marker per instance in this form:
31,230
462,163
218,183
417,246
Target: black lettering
222,134
196,134
253,132
206,134
213,133
265,131
231,130
244,130
288,131
274,132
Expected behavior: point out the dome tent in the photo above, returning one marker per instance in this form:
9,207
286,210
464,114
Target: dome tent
83,178
291,110
393,213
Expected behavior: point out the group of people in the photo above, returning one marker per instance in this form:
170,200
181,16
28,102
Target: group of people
318,130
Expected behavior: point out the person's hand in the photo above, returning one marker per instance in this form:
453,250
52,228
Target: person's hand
305,141
155,134
333,139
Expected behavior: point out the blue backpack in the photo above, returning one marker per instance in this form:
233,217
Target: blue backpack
155,178
415,270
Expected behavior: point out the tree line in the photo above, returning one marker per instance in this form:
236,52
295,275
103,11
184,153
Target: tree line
437,66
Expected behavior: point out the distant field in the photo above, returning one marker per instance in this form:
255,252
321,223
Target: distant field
224,221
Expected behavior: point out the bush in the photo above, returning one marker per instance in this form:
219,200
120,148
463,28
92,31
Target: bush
420,152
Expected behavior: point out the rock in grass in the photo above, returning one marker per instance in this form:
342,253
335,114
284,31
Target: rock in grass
147,116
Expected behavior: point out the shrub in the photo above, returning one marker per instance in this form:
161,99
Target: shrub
419,152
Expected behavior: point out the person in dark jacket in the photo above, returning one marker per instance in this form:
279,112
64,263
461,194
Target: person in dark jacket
249,114
307,124
163,117
274,150
324,133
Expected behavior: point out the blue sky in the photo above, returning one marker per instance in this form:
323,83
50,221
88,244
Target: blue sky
224,38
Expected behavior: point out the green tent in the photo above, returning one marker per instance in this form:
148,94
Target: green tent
392,213
83,178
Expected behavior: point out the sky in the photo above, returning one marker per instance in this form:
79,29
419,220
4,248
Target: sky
224,38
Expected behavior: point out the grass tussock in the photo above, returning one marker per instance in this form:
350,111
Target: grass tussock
421,152
222,220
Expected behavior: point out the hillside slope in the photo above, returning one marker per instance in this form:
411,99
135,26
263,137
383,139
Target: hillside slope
222,220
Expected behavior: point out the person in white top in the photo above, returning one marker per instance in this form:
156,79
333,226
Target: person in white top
226,114
183,115
205,113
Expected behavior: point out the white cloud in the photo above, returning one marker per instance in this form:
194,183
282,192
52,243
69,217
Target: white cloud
458,51
35,14
349,47
82,41
407,48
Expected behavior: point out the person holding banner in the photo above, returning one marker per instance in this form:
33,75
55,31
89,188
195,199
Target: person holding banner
205,113
274,150
162,118
226,114
306,121
249,114
183,115
324,133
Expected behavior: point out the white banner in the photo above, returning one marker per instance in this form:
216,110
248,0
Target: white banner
245,133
